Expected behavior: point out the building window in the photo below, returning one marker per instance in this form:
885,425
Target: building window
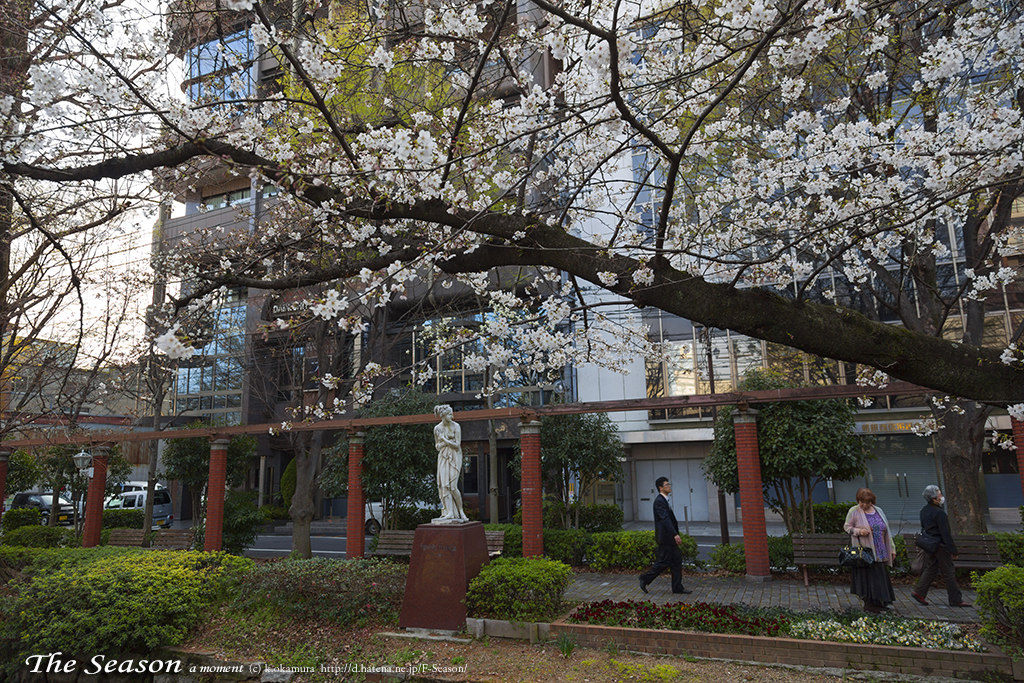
221,70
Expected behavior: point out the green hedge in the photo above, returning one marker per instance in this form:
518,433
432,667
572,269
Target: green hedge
123,519
593,518
128,601
1000,603
19,517
598,551
519,589
340,591
830,517
1011,547
41,537
733,559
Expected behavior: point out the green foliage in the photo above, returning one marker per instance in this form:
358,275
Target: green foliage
730,557
633,550
519,589
830,517
133,600
1011,547
340,591
593,518
23,471
19,517
188,461
272,512
581,449
780,552
1001,606
801,444
570,546
408,517
37,536
400,461
242,523
513,538
123,519
288,482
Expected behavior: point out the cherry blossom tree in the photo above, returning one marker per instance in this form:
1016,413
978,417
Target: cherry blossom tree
803,172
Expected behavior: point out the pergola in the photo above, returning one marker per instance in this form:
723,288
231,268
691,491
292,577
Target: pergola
755,535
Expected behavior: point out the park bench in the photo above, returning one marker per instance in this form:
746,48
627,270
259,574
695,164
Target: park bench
817,550
126,538
399,542
172,539
975,551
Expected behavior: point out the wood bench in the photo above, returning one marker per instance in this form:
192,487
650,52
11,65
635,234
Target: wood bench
817,549
126,538
399,542
976,551
173,539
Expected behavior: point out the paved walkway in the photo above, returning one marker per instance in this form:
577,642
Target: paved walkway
779,592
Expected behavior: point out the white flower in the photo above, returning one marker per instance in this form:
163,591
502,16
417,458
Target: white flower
169,344
607,278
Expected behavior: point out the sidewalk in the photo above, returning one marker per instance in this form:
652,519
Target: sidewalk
786,592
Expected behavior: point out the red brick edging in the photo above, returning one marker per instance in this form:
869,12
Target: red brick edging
814,653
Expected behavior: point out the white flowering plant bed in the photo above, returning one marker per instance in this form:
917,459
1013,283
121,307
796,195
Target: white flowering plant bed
847,627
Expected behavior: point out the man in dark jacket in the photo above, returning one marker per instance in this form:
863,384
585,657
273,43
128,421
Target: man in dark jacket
666,533
935,525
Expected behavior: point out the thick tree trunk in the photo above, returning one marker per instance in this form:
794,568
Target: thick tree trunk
307,455
959,444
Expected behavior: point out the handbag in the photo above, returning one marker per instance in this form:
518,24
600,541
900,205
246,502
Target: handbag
917,564
927,543
851,555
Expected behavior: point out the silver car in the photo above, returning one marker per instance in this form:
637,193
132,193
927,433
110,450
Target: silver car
136,500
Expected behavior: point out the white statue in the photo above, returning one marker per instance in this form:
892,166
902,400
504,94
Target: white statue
448,441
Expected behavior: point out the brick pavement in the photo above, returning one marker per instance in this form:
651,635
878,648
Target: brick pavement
779,592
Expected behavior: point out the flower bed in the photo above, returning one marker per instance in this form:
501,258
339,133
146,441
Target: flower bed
846,627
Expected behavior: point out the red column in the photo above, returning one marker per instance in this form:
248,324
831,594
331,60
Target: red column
4,455
1018,441
214,534
94,498
533,524
355,532
755,533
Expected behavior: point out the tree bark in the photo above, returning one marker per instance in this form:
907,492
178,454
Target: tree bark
959,443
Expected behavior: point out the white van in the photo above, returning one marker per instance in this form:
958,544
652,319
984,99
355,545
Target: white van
136,500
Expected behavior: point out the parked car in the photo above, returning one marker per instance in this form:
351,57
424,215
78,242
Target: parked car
43,502
136,500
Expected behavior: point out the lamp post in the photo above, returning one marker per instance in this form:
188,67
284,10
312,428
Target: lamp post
83,461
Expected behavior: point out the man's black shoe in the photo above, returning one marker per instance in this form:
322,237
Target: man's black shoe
682,592
643,586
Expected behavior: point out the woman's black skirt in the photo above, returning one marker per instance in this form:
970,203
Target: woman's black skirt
873,584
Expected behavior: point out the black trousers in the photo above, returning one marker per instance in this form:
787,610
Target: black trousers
935,563
666,557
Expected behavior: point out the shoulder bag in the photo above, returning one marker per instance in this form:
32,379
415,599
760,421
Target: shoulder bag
851,555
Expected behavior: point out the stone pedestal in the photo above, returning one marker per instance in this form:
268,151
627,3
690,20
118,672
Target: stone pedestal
445,558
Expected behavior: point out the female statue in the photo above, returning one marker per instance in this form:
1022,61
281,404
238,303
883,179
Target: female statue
448,441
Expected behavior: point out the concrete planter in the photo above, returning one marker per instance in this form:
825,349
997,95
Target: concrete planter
498,628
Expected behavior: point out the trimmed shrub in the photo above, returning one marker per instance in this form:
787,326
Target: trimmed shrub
242,523
41,537
1011,547
272,512
19,517
513,538
519,589
128,601
407,517
288,483
780,552
830,517
570,546
625,550
1001,606
730,557
341,591
123,519
600,518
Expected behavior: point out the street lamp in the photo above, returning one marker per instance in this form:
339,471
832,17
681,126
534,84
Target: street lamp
83,461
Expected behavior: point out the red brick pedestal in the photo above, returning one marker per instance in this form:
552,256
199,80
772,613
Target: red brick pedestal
215,494
445,558
755,530
1018,441
355,529
532,490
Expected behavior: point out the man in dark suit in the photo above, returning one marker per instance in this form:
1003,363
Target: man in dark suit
666,533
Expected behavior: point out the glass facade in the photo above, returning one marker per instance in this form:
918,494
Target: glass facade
221,70
209,385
